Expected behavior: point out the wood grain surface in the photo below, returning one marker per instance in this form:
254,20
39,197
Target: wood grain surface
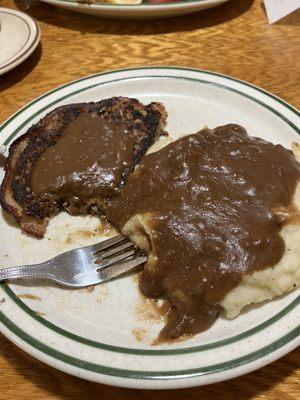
233,39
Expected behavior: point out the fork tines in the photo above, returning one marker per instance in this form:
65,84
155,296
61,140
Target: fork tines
108,243
119,249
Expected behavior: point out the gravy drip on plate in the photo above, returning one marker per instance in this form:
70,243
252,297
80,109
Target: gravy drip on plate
213,199
87,161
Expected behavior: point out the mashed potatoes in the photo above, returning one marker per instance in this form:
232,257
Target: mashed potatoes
257,287
275,281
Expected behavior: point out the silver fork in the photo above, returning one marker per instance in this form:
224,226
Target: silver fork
85,266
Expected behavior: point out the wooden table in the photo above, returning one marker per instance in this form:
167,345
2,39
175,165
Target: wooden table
233,39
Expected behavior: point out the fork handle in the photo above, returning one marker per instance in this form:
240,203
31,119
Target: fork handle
35,271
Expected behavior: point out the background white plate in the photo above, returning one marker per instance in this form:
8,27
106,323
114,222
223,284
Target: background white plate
105,335
137,11
19,36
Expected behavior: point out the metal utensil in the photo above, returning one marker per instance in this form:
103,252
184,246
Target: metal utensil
84,266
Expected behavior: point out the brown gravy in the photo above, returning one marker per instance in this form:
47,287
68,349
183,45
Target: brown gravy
87,161
213,197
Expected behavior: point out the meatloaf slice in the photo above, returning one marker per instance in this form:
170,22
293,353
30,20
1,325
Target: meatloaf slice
75,157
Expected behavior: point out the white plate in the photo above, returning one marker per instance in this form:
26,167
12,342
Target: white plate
137,11
94,334
19,36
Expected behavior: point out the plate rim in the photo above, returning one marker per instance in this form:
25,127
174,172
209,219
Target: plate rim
145,68
30,45
290,336
147,352
126,350
153,375
178,4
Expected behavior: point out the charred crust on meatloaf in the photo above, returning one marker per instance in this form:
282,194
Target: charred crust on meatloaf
145,122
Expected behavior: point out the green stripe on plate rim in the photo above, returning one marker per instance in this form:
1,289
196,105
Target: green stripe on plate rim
278,114
161,375
132,350
126,350
171,68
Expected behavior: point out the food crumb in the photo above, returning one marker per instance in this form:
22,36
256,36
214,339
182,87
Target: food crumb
90,288
103,294
40,314
2,300
106,229
29,296
80,234
140,334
